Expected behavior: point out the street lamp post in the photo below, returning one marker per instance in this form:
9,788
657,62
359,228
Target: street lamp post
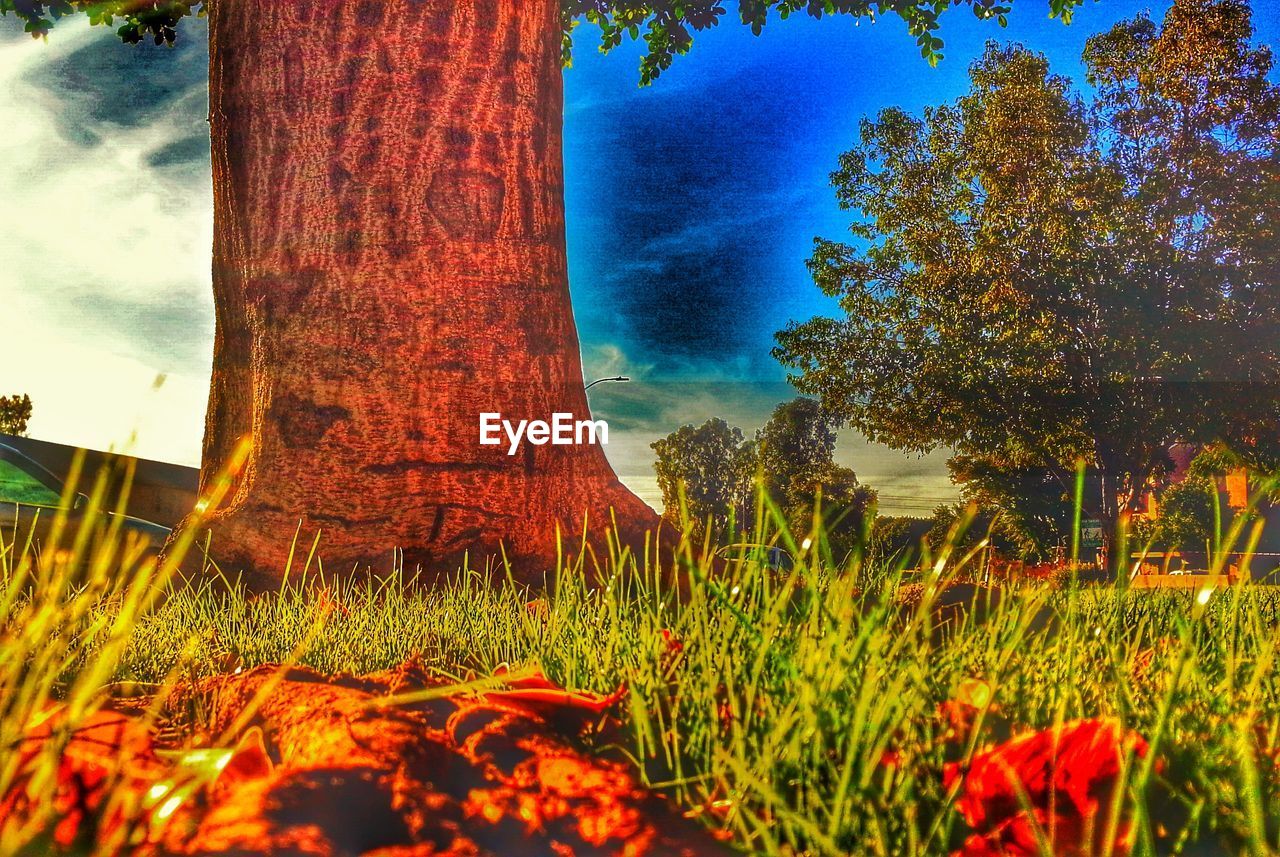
621,378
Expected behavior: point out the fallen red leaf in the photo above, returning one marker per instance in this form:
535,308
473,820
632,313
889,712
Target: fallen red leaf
535,691
674,645
105,752
248,761
1067,775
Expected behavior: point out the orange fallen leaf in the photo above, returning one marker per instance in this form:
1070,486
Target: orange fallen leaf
248,761
1066,774
534,690
107,755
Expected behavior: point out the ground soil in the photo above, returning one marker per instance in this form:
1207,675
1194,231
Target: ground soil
491,775
335,767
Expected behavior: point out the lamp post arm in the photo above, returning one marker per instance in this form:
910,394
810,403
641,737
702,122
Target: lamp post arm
602,380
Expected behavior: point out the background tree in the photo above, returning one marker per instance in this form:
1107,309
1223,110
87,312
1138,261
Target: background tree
796,447
1035,504
15,411
1191,510
846,508
1186,519
796,450
714,466
896,540
1039,279
963,526
946,519
389,261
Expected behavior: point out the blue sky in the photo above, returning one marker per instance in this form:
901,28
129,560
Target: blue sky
692,206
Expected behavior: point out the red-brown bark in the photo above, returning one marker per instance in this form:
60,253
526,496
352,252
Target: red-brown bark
389,262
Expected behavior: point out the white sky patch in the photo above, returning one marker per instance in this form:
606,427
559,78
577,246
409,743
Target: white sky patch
99,248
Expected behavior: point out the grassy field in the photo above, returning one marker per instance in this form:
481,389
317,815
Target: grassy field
816,712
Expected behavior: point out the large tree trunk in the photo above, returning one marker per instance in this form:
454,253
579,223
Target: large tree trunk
389,263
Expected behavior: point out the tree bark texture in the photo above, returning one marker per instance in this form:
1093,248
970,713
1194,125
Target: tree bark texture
389,262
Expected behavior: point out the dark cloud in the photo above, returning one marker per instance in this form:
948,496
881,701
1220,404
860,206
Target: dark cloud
105,83
171,330
184,153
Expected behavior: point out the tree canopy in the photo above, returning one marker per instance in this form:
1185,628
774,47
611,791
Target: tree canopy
1033,507
792,460
796,447
1038,277
712,465
796,453
15,411
666,26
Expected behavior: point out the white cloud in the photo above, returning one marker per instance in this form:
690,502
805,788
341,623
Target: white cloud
104,266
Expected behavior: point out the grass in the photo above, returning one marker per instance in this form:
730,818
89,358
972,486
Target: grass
803,713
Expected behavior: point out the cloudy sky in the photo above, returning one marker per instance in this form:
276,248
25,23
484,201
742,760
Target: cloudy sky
692,206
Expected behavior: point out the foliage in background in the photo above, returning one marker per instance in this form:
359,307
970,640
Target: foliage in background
845,508
1040,278
1187,515
795,446
15,411
796,450
964,527
667,26
793,456
1193,510
896,540
705,472
1033,504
